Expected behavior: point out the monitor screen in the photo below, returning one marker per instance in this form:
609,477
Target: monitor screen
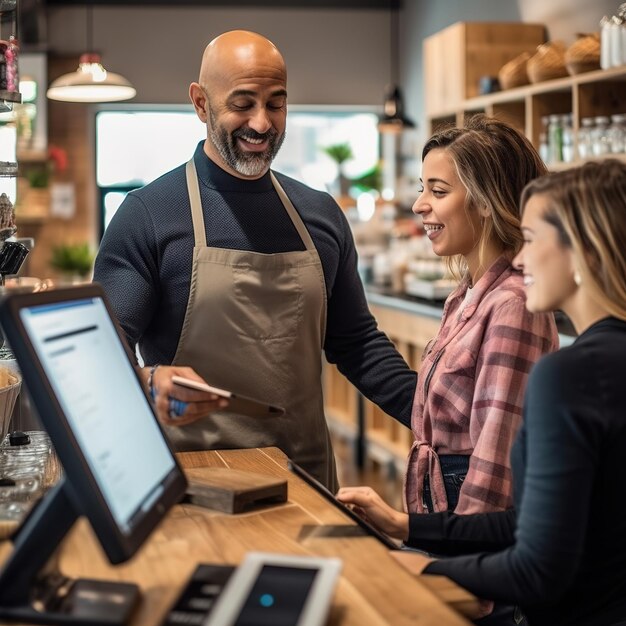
83,380
105,408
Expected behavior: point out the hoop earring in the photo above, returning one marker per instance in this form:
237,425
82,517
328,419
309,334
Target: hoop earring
577,278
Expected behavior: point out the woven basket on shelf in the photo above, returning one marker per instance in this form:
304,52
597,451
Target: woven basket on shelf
513,73
548,62
584,54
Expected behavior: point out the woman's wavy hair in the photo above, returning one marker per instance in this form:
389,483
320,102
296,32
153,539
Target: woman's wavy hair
494,162
587,206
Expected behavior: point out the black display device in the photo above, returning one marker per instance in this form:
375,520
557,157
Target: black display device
387,541
199,595
237,404
119,470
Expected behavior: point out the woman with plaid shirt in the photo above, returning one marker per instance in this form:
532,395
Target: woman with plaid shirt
468,400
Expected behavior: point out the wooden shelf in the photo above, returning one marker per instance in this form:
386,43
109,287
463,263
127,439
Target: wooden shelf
31,156
548,86
600,92
30,220
557,167
8,168
8,99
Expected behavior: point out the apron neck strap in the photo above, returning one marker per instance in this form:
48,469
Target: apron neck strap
293,214
198,217
196,204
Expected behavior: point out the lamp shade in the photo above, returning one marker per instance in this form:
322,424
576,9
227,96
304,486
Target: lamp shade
91,83
393,119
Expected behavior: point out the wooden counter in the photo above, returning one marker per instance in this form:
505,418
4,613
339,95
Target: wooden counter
374,589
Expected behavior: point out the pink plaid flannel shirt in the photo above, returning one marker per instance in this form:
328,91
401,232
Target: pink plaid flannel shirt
470,389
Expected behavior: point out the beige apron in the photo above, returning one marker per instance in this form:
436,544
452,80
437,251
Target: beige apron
255,324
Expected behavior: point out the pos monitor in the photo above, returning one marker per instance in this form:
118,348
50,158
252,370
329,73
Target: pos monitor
118,468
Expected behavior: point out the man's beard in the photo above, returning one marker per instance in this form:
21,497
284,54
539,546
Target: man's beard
246,163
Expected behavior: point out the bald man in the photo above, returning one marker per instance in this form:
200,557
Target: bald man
224,271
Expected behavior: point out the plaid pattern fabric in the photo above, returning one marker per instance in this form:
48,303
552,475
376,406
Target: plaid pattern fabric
470,389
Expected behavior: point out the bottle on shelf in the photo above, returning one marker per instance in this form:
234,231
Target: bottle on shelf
3,67
617,134
605,42
585,146
544,144
616,52
567,138
600,136
12,72
621,14
555,139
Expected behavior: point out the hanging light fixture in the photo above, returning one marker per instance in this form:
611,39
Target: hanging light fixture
90,82
393,119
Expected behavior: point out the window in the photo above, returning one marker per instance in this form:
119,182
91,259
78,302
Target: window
136,145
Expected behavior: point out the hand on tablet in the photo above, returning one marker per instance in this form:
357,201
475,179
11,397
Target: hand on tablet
377,511
177,405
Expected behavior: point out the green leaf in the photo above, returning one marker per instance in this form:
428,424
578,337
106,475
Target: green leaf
373,179
339,152
76,258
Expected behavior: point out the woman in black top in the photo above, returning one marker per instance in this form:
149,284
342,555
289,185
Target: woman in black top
561,553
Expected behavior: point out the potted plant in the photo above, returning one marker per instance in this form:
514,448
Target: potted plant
39,174
36,194
340,153
74,261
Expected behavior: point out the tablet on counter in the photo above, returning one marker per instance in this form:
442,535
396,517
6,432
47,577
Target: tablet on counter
277,590
237,404
369,528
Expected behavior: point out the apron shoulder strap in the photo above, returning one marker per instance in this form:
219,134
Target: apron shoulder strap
293,214
196,204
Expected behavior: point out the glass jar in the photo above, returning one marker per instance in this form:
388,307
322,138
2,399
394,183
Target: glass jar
617,134
555,139
585,147
567,138
600,136
26,472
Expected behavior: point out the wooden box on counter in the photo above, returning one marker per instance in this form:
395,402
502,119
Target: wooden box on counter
457,57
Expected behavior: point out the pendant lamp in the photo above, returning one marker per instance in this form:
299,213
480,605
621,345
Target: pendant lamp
393,119
90,82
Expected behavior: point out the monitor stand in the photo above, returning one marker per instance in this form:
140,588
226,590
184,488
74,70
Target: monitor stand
33,590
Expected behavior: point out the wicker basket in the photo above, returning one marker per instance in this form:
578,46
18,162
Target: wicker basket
513,73
548,62
584,54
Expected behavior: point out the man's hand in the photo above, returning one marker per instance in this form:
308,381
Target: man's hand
372,507
176,405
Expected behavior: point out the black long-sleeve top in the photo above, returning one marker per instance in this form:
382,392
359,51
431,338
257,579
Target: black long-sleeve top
561,554
144,265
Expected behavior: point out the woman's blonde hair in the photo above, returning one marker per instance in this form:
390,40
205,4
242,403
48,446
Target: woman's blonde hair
494,162
587,206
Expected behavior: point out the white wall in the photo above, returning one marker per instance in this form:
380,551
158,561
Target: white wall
333,56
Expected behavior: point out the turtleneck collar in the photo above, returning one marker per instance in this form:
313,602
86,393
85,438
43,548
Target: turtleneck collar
213,176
